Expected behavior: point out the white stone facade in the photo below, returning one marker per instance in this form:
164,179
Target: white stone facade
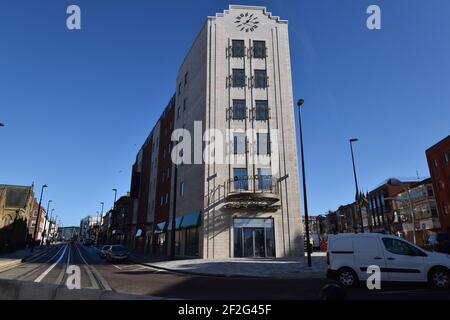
204,93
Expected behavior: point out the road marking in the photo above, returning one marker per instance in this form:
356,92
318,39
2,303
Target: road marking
91,278
44,274
95,272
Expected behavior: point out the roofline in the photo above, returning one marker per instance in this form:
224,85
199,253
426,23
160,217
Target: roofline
436,144
246,7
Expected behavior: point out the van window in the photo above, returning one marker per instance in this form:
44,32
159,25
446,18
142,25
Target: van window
367,245
401,248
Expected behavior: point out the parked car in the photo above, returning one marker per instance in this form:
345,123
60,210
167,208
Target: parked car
350,255
439,242
103,250
117,253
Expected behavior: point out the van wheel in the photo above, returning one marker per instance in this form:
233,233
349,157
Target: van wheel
439,278
347,277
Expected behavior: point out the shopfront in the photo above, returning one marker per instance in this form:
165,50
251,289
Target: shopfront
254,238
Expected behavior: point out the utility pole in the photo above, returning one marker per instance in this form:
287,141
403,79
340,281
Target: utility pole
36,227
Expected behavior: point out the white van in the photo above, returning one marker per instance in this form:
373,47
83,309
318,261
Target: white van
349,255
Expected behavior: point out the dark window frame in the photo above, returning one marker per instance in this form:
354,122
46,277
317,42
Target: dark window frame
239,111
260,75
238,78
261,115
259,52
238,51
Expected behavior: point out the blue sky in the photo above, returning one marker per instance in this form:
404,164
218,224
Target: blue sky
78,104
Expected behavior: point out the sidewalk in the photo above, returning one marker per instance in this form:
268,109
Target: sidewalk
10,260
241,267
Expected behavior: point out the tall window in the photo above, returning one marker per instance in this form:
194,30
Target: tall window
259,49
179,88
239,143
182,189
263,143
262,110
447,156
260,79
185,78
238,78
184,104
238,49
239,109
264,178
240,179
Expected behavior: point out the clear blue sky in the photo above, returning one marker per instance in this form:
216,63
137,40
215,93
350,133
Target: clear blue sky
78,104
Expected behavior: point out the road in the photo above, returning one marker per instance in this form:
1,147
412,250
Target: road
51,267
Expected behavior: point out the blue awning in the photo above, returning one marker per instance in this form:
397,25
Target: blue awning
177,224
160,227
191,221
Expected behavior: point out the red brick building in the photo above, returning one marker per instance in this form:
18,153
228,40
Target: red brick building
438,157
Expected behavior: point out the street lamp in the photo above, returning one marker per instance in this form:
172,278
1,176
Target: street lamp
37,218
358,205
305,199
45,223
115,197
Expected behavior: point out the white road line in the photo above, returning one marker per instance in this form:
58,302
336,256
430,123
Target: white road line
118,267
91,278
44,274
95,272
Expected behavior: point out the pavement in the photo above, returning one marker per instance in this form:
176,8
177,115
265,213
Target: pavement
254,268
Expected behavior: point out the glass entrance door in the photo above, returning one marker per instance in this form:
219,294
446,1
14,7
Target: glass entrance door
254,245
254,238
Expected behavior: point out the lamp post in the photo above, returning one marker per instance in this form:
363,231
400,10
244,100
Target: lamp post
37,218
305,199
99,222
358,205
115,197
45,223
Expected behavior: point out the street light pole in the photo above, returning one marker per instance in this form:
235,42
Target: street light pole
305,199
45,223
358,205
37,218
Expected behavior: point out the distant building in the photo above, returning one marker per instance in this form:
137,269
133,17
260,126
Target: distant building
16,203
88,227
438,157
425,211
40,220
67,233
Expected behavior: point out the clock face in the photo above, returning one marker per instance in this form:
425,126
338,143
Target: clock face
247,22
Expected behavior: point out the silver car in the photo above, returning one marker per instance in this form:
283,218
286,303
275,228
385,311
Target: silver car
117,253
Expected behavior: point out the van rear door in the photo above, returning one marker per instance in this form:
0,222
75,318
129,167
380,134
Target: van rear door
369,252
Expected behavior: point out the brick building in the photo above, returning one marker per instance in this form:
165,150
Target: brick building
438,157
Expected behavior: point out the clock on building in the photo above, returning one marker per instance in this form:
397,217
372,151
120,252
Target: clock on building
247,22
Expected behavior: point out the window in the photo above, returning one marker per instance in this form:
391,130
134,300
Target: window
444,205
238,78
185,78
167,198
239,110
262,143
179,88
184,104
262,110
178,112
238,49
240,179
259,49
239,143
260,79
182,189
435,163
162,200
264,178
447,157
401,248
